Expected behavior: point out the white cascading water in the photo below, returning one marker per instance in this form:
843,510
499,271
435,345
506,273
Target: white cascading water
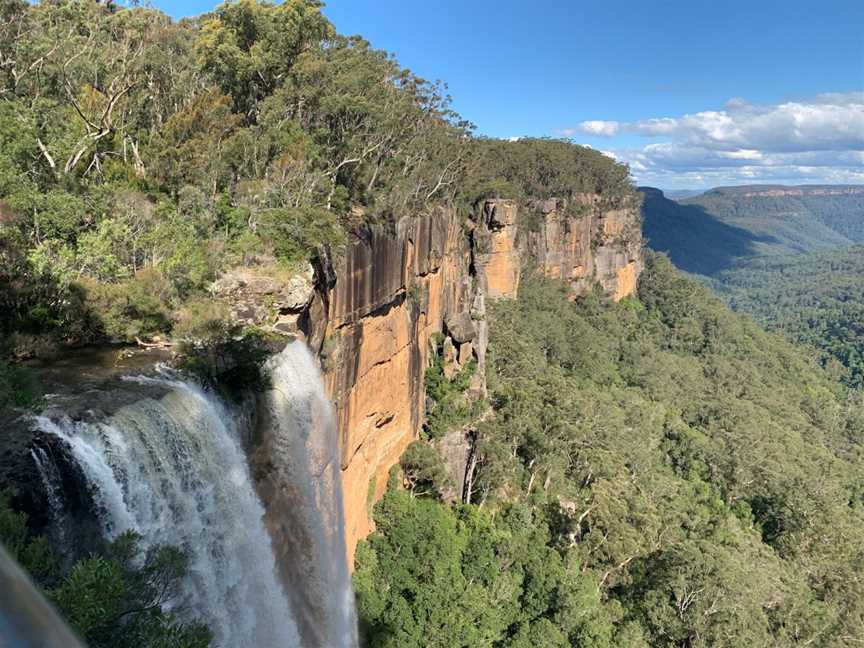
173,470
50,477
305,509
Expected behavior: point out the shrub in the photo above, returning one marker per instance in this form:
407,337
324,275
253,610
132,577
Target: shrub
137,308
119,599
424,470
292,233
448,405
226,358
18,387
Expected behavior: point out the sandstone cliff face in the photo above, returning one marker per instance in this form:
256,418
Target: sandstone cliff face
377,306
811,190
600,243
371,320
497,257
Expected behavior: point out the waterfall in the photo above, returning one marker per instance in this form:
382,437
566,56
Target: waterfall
173,470
49,475
305,499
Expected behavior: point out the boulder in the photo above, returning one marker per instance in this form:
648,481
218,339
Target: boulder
460,327
448,353
266,297
466,353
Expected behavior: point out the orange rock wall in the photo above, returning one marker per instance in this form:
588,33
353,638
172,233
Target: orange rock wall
497,257
372,321
590,243
378,304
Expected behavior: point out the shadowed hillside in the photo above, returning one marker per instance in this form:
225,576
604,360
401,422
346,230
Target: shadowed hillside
802,218
694,239
785,255
707,233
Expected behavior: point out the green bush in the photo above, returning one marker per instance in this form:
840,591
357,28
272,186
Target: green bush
226,358
293,233
448,404
18,387
139,308
424,470
118,599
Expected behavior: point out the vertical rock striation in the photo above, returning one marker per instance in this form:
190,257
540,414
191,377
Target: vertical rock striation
376,307
374,312
592,241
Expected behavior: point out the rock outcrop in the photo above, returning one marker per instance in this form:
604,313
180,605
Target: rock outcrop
497,257
272,300
587,243
377,305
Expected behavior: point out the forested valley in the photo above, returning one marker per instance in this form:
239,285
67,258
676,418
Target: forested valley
793,261
816,299
659,472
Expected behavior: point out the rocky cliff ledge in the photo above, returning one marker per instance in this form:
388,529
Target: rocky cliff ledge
376,307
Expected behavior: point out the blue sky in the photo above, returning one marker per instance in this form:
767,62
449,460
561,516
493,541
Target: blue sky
690,93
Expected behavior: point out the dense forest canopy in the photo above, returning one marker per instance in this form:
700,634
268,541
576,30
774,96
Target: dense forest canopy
816,299
139,156
658,472
786,259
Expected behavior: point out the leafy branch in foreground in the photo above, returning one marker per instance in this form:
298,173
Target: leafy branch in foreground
118,598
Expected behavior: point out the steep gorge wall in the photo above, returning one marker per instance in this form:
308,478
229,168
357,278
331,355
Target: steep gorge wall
376,307
371,320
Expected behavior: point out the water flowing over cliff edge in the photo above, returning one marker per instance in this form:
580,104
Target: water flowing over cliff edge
171,466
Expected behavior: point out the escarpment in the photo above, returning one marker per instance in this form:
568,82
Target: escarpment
375,313
378,304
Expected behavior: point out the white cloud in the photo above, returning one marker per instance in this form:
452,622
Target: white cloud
595,127
820,139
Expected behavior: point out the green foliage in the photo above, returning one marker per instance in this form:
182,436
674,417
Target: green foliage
694,240
33,554
137,308
34,300
537,168
249,46
435,576
448,405
815,299
294,232
118,599
18,387
226,357
660,472
424,469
